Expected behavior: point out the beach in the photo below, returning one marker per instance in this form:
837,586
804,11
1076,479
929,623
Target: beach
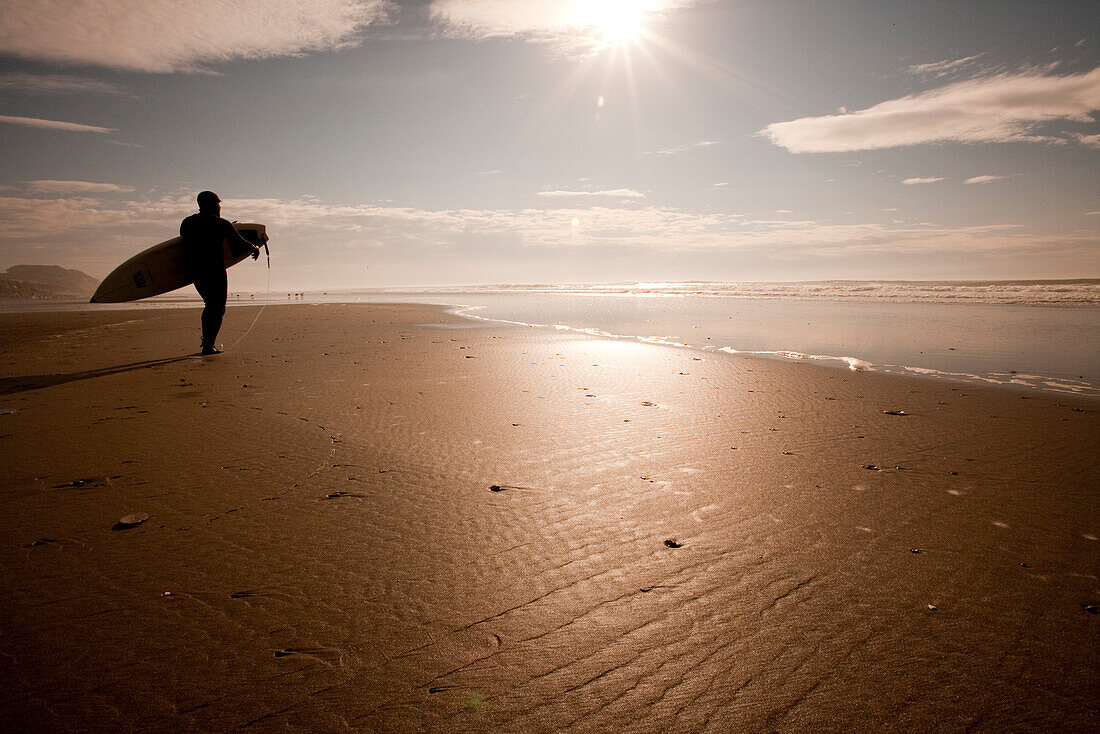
389,518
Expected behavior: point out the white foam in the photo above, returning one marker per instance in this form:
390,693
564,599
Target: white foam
1083,292
854,363
1062,385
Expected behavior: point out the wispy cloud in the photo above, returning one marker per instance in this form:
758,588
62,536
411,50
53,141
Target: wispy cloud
569,26
983,179
989,109
56,125
315,244
76,187
98,233
166,35
914,181
620,193
56,84
680,148
945,67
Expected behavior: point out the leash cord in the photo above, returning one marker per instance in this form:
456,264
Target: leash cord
267,298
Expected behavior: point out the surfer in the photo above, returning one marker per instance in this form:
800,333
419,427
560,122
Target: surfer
203,235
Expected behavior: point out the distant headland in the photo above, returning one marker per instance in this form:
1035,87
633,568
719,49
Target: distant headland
45,281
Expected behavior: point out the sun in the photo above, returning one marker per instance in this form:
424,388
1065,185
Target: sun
617,21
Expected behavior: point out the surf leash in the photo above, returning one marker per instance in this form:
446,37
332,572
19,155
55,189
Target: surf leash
267,298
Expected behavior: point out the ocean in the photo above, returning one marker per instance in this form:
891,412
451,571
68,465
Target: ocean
1042,335
1029,335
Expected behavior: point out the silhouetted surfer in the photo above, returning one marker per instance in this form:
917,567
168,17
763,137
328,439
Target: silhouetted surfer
203,234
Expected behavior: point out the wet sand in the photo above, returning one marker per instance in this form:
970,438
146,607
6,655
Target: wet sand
676,541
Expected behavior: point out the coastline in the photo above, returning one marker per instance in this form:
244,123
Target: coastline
968,338
323,548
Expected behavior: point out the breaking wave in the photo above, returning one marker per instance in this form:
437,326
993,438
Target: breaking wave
1082,292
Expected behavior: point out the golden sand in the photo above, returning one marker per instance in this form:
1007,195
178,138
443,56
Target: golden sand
389,519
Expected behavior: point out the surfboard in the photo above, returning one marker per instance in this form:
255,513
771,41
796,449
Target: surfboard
162,268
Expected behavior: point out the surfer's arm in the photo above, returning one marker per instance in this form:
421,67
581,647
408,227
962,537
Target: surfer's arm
239,244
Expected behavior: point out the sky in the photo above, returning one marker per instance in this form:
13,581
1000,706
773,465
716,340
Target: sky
453,142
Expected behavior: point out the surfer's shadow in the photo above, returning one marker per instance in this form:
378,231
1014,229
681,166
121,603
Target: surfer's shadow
22,383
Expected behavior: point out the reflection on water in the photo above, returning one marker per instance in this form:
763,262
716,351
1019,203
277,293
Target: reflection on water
1052,348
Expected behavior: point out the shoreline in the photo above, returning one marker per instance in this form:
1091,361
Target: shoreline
676,541
1026,371
854,364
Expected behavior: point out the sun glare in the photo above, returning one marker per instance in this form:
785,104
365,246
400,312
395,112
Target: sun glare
618,21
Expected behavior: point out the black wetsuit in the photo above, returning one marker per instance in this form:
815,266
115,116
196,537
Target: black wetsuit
204,234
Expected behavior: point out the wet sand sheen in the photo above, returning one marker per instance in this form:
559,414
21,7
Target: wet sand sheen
673,542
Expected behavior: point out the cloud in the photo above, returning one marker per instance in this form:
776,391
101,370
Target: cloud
989,109
309,222
56,84
983,179
168,35
943,68
56,125
329,245
76,187
573,27
621,193
913,181
680,148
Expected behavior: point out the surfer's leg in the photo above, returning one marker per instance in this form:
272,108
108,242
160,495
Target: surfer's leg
213,287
